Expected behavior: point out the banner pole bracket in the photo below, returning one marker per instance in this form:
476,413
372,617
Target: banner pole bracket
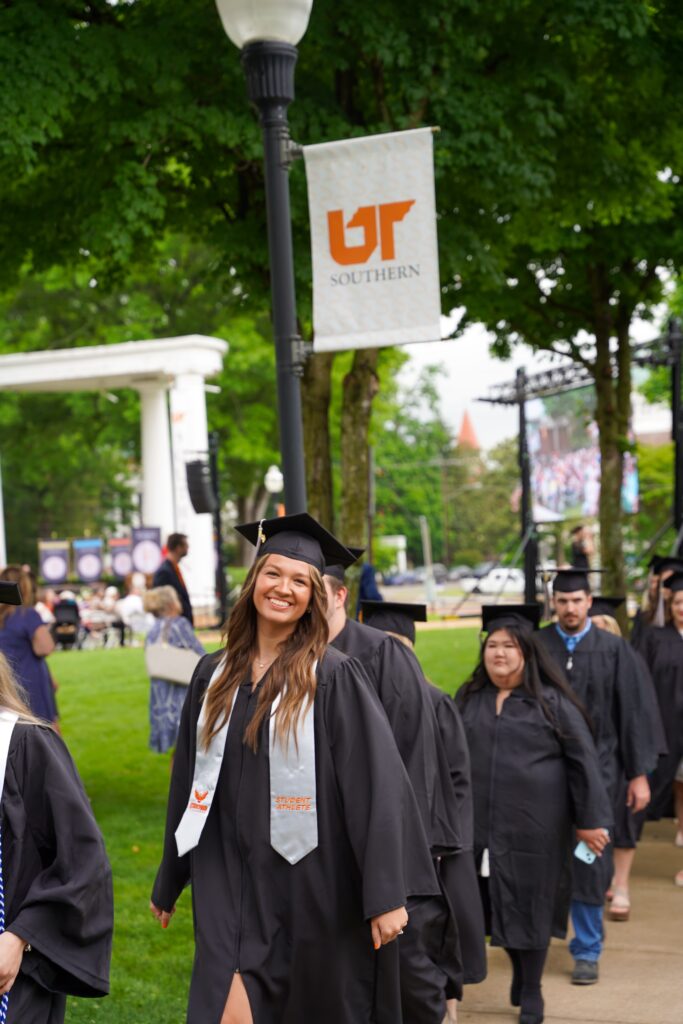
301,352
290,151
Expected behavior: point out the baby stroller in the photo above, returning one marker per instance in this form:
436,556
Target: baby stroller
66,629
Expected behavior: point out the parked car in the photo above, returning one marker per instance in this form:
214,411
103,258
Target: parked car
399,579
502,581
439,570
458,572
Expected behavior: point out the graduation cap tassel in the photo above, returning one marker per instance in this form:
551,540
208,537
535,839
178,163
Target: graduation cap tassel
260,538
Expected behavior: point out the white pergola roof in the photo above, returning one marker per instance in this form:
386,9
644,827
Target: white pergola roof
130,364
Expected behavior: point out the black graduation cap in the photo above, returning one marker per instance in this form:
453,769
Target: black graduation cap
605,605
394,616
568,580
298,536
674,583
9,592
339,571
664,563
500,616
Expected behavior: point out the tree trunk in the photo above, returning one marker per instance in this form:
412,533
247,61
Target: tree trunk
612,416
315,395
360,387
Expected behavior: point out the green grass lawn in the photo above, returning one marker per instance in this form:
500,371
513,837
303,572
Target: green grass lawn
103,699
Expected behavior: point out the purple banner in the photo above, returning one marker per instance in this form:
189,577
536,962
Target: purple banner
146,552
88,559
53,560
120,551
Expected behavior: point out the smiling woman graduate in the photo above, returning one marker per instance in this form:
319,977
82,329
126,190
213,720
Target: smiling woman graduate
290,811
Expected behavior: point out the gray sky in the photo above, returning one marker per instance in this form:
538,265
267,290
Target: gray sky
470,370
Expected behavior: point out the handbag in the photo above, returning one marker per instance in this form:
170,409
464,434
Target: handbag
173,664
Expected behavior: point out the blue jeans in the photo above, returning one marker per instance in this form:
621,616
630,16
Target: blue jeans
588,933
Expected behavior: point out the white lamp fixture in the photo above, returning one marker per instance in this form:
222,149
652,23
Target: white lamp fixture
252,21
274,480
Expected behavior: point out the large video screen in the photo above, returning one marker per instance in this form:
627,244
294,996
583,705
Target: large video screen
565,456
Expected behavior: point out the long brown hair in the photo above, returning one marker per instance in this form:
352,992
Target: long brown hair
290,674
15,574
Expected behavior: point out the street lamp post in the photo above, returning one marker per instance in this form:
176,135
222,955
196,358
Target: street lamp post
266,32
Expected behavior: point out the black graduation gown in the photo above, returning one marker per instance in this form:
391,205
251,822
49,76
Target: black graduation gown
458,871
530,783
605,675
664,654
399,682
57,879
628,826
299,934
430,957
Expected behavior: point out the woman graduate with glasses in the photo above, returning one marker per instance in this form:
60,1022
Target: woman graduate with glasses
535,773
290,811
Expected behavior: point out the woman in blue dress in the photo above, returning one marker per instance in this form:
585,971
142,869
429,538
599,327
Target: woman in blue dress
166,699
26,642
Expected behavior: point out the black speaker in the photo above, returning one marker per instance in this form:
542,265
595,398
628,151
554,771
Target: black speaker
199,485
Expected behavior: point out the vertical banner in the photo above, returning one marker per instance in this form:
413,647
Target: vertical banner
88,559
373,238
53,560
146,551
121,557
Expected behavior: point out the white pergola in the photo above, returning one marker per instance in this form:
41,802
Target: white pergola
166,372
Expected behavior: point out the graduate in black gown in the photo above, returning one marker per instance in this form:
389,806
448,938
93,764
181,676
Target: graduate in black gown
664,654
535,773
604,674
458,871
296,825
628,826
430,959
56,903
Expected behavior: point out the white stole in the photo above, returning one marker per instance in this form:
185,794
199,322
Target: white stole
293,811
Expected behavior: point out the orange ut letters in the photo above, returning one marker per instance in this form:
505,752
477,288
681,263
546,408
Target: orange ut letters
367,218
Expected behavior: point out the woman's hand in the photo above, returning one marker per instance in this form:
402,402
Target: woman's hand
596,839
387,926
638,794
162,916
11,955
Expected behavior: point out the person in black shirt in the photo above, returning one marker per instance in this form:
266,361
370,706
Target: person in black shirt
169,575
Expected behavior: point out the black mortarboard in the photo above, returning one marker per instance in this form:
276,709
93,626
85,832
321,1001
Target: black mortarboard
569,580
500,616
339,571
9,592
667,563
605,605
298,536
394,616
674,583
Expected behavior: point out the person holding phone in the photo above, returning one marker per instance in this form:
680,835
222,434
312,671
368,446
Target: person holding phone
535,776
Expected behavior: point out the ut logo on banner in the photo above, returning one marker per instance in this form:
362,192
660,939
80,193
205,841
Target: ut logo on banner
376,221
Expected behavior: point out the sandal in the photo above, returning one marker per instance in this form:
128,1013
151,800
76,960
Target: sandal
678,879
620,907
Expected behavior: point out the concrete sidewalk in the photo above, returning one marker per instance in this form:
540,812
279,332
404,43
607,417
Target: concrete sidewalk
641,969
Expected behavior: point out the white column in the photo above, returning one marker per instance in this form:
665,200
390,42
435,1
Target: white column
3,543
157,476
189,433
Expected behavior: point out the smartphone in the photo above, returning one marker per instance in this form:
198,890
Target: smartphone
584,853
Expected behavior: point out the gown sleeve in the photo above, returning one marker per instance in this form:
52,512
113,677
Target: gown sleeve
452,731
65,910
174,871
634,724
591,804
381,816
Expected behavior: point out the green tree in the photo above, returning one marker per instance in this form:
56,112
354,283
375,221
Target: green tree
558,165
